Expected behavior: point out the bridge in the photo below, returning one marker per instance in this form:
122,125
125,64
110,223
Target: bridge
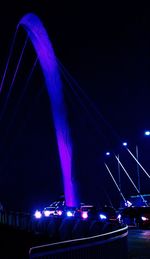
94,238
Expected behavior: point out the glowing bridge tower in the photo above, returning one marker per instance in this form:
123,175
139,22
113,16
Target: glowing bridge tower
43,47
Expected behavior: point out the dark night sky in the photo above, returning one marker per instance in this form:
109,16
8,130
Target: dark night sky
106,48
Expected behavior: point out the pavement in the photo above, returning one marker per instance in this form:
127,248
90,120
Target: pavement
138,244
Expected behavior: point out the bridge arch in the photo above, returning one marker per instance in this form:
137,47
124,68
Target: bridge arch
44,50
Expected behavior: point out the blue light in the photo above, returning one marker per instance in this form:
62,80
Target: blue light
124,144
102,216
147,133
70,214
107,153
128,204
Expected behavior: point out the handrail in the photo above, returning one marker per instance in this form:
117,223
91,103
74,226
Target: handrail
62,246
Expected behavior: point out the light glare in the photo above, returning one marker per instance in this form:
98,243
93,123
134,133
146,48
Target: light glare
144,218
69,214
84,215
59,212
102,216
47,213
147,133
37,214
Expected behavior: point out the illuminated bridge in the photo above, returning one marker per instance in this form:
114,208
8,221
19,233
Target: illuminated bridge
68,238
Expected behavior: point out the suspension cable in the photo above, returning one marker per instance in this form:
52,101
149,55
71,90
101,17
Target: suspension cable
13,80
8,59
89,101
115,182
22,95
131,180
82,104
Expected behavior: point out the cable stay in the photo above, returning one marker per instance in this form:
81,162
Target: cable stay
138,162
22,96
115,182
131,180
81,93
108,198
83,105
8,60
13,80
87,98
27,119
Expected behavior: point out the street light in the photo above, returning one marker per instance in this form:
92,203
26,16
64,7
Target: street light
147,133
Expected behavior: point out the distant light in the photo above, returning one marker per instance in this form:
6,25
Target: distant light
124,144
70,214
47,213
128,204
37,214
102,216
144,218
84,215
147,133
59,212
107,153
119,217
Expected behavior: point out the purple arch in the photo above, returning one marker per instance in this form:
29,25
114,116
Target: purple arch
43,47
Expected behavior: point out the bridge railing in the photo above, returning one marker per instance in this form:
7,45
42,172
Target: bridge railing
19,220
85,239
104,246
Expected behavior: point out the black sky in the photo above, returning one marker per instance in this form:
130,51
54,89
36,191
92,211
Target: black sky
106,47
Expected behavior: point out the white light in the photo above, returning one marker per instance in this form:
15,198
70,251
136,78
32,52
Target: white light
69,214
37,214
47,213
144,218
107,153
119,217
124,144
147,133
102,216
128,204
84,215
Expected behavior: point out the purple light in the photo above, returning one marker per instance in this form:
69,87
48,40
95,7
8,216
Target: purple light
59,212
45,53
84,215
